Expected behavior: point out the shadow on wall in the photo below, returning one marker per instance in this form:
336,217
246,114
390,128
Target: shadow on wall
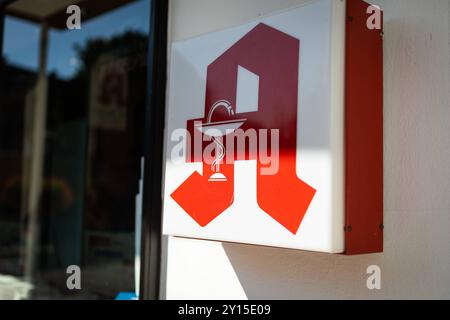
272,273
415,263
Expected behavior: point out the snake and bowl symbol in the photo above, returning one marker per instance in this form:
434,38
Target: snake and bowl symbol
216,130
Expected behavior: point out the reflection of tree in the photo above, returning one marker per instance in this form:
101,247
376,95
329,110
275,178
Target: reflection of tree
128,44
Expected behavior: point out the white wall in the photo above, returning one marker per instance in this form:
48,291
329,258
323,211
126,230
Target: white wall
416,261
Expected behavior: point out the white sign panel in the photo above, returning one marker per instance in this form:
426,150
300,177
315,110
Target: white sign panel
254,146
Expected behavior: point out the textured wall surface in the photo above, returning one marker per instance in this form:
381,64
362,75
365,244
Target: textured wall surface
416,261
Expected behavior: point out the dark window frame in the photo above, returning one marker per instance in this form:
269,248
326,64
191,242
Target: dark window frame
150,273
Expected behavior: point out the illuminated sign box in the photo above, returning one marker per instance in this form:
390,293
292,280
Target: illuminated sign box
275,132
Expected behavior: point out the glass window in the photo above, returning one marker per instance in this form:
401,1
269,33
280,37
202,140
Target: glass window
71,141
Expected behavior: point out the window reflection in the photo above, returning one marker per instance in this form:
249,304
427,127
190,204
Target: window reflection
71,137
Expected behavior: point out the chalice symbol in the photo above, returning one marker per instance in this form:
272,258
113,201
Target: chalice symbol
216,130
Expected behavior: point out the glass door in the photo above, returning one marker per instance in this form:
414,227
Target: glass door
72,110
